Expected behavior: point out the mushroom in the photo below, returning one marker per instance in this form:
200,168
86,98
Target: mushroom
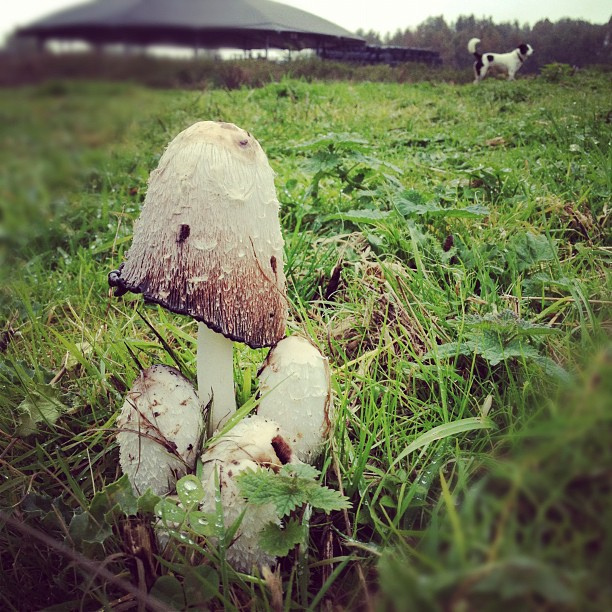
294,385
160,429
253,443
208,244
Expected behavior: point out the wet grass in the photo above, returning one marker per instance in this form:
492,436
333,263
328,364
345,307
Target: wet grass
448,249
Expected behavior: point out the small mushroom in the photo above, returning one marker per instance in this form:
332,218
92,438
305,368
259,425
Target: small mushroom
294,385
160,429
252,443
208,244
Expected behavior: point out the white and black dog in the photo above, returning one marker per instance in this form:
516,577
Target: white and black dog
509,62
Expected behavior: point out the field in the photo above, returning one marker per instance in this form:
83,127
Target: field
447,247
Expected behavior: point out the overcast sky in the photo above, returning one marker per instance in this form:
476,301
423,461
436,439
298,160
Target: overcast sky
379,15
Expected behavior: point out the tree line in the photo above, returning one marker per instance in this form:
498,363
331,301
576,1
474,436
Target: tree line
568,41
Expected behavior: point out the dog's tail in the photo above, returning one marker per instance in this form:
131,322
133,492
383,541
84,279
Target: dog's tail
472,47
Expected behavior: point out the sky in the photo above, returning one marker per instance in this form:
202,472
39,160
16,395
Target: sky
379,15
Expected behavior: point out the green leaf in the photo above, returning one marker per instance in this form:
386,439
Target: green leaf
450,349
146,502
522,577
491,346
169,512
552,368
201,585
406,207
367,217
202,523
84,529
190,491
40,406
444,431
168,590
288,492
118,494
301,470
526,250
326,499
263,487
95,524
278,540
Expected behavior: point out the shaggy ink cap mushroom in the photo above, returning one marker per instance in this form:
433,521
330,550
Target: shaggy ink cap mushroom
160,425
295,391
208,242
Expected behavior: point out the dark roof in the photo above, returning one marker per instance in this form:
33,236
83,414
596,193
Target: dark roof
244,24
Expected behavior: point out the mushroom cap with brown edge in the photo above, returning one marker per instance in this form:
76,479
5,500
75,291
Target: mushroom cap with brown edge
208,241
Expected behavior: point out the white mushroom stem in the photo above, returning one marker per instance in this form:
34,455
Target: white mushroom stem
215,365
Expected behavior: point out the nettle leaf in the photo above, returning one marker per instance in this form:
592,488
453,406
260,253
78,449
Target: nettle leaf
333,139
492,347
302,470
278,540
526,250
407,205
366,216
263,487
326,499
288,492
497,337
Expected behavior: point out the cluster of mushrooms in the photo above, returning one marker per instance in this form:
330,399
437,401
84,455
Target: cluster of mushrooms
208,244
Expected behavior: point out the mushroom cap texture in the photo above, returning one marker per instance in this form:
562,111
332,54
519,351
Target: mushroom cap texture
294,386
208,241
160,427
252,443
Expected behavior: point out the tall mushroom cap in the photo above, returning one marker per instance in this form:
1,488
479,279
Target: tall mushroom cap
294,385
208,240
160,426
252,443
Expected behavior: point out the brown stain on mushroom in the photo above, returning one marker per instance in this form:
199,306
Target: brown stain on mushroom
282,449
184,232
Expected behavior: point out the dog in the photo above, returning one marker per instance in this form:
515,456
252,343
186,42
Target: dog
508,62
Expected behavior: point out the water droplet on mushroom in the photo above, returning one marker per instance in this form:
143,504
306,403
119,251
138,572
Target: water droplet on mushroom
207,244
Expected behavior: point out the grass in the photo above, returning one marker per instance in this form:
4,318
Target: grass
447,247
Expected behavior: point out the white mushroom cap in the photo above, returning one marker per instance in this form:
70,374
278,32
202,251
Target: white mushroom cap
294,385
253,443
160,429
208,241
